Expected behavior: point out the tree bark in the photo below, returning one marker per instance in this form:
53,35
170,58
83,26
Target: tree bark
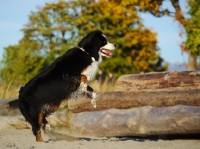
192,62
162,81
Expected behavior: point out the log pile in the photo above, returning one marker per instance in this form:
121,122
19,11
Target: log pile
141,105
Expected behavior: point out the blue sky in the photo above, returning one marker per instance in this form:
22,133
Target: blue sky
14,15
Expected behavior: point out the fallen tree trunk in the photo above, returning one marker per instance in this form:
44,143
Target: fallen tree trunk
161,81
141,121
125,100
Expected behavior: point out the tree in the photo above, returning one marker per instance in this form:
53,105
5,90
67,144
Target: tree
190,25
192,31
119,21
193,27
52,27
20,64
44,40
59,26
136,45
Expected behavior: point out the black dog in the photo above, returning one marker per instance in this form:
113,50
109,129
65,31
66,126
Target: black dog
68,74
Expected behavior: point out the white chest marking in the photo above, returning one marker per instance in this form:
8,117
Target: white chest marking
91,70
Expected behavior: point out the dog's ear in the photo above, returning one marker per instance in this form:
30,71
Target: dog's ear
87,39
84,42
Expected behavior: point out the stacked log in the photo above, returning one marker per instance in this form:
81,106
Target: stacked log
142,121
141,105
127,100
162,81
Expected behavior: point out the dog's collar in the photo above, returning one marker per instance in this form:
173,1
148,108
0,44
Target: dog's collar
93,59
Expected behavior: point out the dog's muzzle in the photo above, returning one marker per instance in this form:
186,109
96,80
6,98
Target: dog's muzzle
104,49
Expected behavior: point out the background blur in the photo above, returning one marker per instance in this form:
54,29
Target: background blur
151,35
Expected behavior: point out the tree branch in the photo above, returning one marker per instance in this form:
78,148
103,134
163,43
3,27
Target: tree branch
178,13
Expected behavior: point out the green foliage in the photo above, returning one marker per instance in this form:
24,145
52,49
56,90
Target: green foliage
193,28
20,64
59,26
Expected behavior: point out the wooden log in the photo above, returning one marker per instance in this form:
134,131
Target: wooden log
187,80
125,100
141,121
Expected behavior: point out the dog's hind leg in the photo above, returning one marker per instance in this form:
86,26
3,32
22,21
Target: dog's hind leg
36,126
35,121
48,109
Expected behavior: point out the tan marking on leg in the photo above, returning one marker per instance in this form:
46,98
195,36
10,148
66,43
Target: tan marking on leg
84,79
54,107
38,136
38,133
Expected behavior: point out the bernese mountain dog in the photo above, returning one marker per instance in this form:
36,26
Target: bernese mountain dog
67,75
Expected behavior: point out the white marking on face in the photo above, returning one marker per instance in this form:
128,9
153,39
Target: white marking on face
109,46
103,35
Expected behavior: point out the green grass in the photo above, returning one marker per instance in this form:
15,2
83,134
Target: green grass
7,91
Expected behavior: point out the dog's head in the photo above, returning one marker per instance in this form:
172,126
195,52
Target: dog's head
95,44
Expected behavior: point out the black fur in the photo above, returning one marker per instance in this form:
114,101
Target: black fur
58,81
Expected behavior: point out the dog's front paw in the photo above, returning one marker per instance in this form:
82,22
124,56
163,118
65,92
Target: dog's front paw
93,102
92,96
93,99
